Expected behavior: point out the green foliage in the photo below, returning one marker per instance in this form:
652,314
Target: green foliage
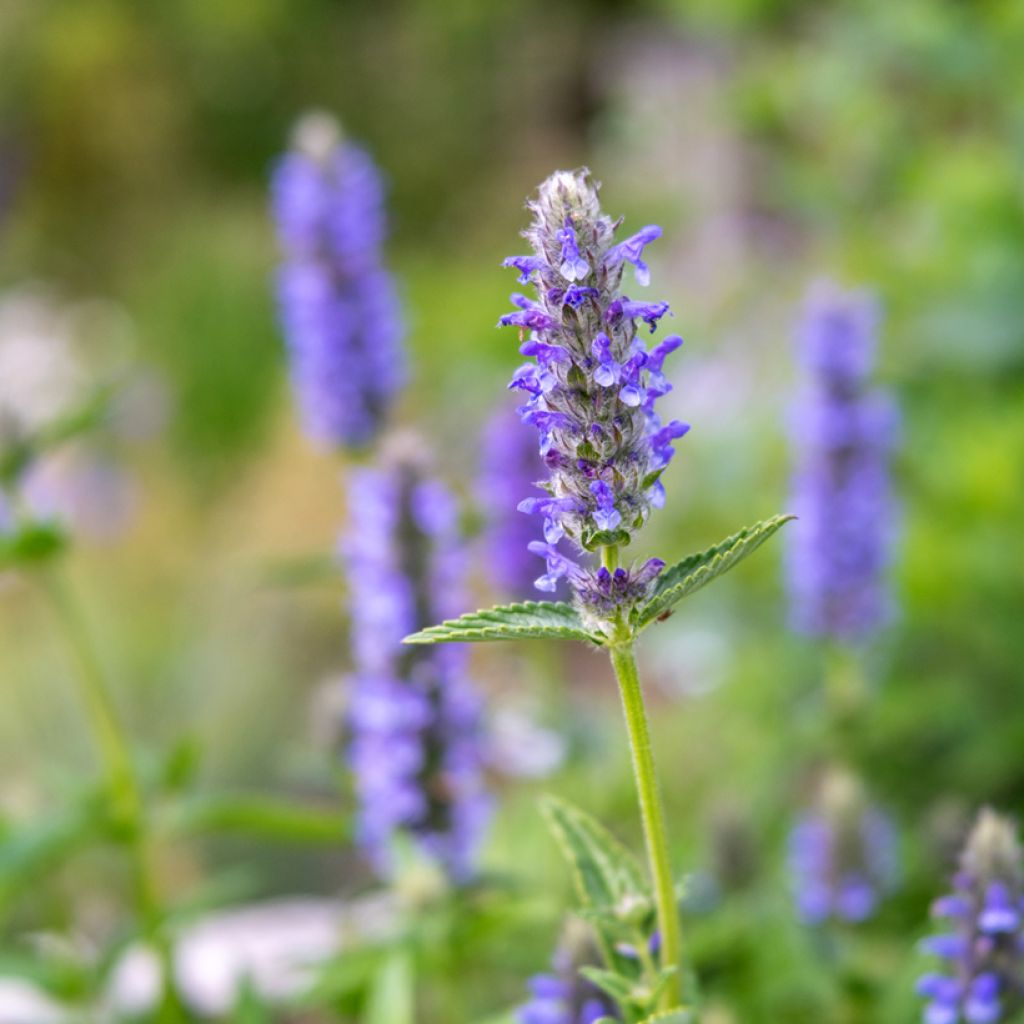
557,620
605,873
695,571
392,993
530,620
31,852
617,903
615,985
31,544
264,817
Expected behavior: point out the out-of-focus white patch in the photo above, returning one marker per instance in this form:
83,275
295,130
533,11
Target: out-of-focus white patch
317,135
22,1003
275,947
41,377
520,746
692,658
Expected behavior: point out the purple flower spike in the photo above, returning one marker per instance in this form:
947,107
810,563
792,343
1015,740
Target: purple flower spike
593,402
842,855
982,979
416,747
631,250
337,303
840,548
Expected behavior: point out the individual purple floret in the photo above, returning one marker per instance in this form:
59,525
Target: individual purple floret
563,996
982,977
843,432
509,466
590,390
337,302
414,717
842,855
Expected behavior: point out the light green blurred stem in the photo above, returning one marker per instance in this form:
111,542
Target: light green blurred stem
652,811
123,784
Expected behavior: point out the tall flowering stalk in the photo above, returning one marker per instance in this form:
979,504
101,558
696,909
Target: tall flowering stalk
415,718
842,854
590,390
337,302
981,980
843,432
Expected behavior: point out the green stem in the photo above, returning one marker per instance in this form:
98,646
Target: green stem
125,790
99,705
652,813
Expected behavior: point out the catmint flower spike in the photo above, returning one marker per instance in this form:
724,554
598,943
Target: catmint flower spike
337,302
981,946
842,855
415,719
591,392
843,432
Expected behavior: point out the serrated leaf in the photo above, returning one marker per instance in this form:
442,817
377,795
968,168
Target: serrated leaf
615,985
604,871
695,571
530,620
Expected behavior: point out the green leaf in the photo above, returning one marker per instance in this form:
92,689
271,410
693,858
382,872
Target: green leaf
33,851
264,817
31,544
604,871
665,976
615,985
677,1016
695,571
530,620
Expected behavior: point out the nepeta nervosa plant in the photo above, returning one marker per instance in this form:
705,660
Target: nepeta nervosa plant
336,298
982,951
415,718
590,391
842,854
843,432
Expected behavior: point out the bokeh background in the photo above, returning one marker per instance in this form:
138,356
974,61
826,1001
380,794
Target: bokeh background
874,142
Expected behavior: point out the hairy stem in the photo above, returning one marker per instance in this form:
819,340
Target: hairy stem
124,789
652,814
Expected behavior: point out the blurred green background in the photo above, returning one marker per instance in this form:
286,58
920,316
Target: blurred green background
876,142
